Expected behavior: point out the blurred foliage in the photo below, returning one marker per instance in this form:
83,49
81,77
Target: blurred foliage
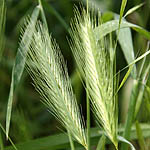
30,119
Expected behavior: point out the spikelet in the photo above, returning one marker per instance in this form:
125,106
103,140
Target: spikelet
95,61
46,66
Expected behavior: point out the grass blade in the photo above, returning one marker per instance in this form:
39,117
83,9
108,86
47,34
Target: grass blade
61,141
101,143
122,139
19,67
141,90
111,26
71,141
2,25
125,78
131,111
140,136
123,5
1,141
13,145
133,9
50,9
125,41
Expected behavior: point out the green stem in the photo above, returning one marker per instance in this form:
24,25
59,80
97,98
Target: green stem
1,141
43,14
130,117
71,141
87,5
88,119
50,9
13,145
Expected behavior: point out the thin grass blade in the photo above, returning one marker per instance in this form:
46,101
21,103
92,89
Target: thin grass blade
125,77
141,90
122,139
101,143
61,140
19,67
141,140
125,41
1,141
123,5
2,25
130,116
133,9
12,143
111,26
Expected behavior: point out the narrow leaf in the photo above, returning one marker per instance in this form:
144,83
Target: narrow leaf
123,5
108,27
140,57
133,9
2,25
122,139
125,77
130,116
101,143
142,90
125,41
61,140
1,141
19,67
140,136
13,145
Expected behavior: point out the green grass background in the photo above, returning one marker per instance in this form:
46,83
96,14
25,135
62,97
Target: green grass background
30,119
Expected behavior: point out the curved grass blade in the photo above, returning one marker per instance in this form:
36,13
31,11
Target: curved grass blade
125,78
18,66
130,69
13,145
122,139
108,27
2,25
133,9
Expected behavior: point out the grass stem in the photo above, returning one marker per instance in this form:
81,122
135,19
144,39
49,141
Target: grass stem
43,14
87,5
51,10
130,116
88,118
71,141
